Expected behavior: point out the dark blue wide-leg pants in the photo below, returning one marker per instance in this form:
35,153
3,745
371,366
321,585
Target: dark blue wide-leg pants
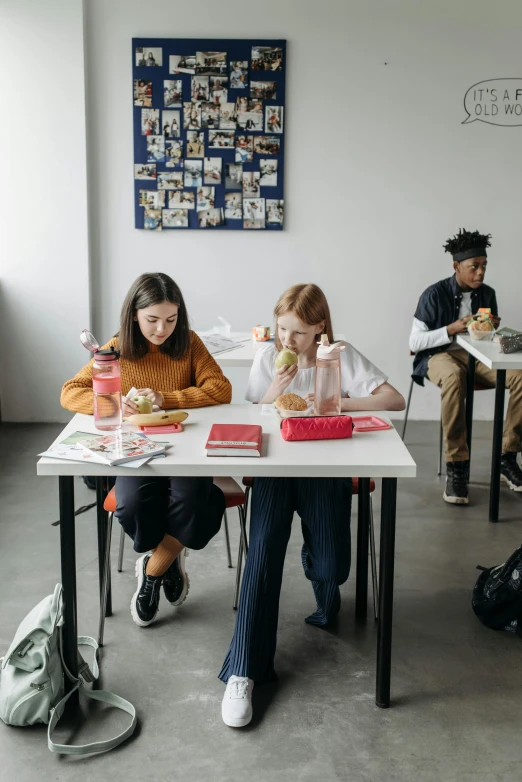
324,505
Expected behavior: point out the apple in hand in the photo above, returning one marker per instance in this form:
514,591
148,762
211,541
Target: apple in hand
143,403
286,356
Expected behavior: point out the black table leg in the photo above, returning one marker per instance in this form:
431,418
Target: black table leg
496,458
363,529
386,568
102,522
68,563
470,392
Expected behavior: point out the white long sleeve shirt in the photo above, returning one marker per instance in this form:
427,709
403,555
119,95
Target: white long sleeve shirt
421,338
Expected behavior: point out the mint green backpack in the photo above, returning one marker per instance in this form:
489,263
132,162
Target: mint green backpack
32,678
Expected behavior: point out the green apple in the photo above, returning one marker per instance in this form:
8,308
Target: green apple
287,357
143,403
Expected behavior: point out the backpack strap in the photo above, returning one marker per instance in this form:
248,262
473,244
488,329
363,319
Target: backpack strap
95,747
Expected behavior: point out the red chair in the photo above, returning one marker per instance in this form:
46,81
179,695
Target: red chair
234,497
243,547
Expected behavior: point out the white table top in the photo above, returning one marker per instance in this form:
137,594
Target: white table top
379,454
489,353
244,356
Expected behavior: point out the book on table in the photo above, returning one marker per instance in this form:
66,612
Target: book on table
119,447
70,449
234,440
505,332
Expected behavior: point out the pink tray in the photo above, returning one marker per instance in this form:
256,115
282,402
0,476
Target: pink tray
369,423
164,429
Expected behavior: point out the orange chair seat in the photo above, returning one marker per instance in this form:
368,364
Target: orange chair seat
234,495
355,484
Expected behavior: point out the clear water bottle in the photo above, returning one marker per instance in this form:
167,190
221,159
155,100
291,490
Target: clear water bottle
106,384
327,392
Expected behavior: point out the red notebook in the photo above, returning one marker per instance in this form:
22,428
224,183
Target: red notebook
234,440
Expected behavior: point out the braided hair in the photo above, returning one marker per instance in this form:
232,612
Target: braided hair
467,244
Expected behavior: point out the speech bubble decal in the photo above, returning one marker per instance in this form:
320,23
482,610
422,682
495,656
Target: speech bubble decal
495,101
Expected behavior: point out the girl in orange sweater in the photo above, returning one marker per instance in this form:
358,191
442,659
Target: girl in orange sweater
167,362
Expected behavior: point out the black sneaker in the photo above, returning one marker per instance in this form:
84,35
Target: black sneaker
145,601
456,490
510,472
176,581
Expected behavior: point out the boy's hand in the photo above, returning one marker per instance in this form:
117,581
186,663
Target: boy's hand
495,320
459,326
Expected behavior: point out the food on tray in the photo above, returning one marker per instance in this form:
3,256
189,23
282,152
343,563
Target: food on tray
285,356
158,419
291,402
481,325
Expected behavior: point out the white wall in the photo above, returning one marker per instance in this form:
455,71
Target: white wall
380,170
44,275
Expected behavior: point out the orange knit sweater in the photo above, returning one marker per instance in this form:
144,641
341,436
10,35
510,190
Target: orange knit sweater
193,381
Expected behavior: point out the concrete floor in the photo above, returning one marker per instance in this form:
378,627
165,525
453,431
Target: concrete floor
456,686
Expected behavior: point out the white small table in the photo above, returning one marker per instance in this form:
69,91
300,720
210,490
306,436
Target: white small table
379,454
489,354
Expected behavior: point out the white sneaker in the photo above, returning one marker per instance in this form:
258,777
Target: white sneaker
236,708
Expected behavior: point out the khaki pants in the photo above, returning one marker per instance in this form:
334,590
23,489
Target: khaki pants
448,371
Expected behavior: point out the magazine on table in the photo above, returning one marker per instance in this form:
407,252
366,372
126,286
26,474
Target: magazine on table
119,447
70,449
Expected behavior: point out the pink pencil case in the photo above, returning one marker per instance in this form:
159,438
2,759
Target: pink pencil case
317,428
165,429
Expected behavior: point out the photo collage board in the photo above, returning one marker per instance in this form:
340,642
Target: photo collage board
209,130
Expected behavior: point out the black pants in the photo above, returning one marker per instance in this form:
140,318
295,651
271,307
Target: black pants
189,509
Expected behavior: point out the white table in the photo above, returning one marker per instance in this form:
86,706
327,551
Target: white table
489,354
243,356
379,455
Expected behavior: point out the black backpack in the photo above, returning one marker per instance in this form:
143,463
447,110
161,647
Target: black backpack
497,595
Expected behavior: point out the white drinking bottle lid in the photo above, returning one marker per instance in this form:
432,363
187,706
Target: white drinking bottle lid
89,341
325,350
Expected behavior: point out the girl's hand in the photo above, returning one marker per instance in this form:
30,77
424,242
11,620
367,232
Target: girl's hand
283,378
128,408
309,399
155,396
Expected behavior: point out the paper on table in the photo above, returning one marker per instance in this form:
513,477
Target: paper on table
217,344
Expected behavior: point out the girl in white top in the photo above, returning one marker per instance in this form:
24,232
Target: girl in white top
323,504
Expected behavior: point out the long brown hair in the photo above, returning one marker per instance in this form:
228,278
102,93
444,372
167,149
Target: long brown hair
309,303
147,290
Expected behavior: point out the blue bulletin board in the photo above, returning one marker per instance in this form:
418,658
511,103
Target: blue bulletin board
209,129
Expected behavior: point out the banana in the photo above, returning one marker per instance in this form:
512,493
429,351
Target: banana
158,419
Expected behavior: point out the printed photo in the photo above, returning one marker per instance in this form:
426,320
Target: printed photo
251,183
274,211
219,89
212,169
249,120
152,220
209,115
211,218
150,122
233,206
195,143
244,149
241,104
145,171
254,209
152,199
263,90
209,63
175,218
239,74
221,139
182,63
192,116
170,180
267,58
255,105
182,199
233,176
206,198
146,56
273,119
142,93
268,169
172,92
227,116
174,153
193,173
170,122
155,149
267,145
199,88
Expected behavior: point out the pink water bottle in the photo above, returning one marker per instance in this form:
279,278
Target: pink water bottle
327,392
106,384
